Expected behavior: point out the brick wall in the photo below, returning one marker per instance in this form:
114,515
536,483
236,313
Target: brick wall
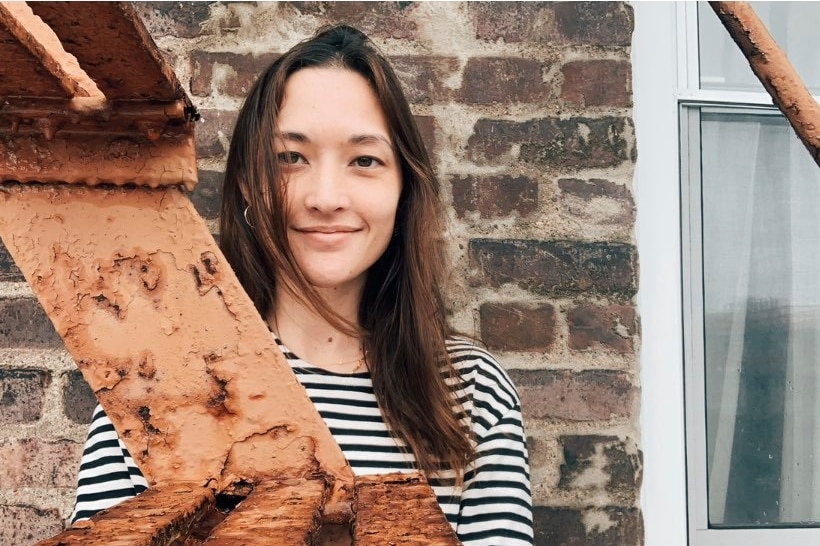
527,109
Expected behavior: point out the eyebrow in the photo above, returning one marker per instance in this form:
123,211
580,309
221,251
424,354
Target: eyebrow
302,138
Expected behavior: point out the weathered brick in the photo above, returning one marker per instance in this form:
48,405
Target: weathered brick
23,323
597,201
494,196
595,23
590,526
557,267
22,394
225,73
556,23
552,142
376,19
32,462
506,80
597,83
514,22
207,196
20,524
214,133
601,463
78,398
588,395
180,19
517,326
422,77
8,269
427,129
599,327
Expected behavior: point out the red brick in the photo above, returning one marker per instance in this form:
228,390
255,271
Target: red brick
580,199
179,19
568,526
22,394
495,196
553,142
505,80
556,267
215,128
422,77
606,456
427,129
31,462
23,323
608,328
517,326
243,69
207,196
597,83
78,398
605,24
514,22
376,19
589,395
8,269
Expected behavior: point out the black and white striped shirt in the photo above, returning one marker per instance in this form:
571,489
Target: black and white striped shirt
492,508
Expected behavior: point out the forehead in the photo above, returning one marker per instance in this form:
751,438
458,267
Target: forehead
329,99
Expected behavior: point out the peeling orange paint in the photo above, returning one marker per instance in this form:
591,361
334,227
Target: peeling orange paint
165,335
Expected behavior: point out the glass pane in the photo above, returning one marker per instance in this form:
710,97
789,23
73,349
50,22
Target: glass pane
761,267
794,25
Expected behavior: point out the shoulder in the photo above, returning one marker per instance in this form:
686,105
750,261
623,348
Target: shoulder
480,373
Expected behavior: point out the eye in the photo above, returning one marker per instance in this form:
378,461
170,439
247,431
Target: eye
366,162
290,158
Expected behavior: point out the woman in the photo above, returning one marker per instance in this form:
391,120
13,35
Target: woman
331,220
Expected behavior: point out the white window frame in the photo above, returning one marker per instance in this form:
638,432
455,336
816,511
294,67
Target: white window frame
665,76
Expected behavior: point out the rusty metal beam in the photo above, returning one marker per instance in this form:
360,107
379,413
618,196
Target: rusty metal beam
96,158
23,72
285,513
55,123
772,67
398,509
165,335
133,69
158,517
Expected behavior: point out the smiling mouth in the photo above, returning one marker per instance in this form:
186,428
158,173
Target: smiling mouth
328,230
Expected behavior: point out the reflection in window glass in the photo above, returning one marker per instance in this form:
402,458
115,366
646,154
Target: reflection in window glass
761,267
794,25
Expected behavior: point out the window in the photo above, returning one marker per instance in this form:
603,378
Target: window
750,216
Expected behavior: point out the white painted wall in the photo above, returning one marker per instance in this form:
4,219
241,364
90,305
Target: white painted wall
655,85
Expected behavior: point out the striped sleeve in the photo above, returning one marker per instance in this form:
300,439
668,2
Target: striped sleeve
108,474
496,502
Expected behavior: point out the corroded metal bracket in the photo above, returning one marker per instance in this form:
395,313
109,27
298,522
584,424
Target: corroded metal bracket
151,312
77,110
772,67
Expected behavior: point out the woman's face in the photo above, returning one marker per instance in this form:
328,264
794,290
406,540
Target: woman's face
341,174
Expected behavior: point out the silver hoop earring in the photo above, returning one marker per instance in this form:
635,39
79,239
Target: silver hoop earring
245,214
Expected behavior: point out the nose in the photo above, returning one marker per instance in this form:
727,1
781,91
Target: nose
325,190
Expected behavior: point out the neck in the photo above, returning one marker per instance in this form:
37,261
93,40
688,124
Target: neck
309,334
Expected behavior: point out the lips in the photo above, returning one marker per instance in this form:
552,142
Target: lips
327,229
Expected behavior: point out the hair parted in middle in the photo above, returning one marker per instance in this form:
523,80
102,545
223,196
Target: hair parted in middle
402,317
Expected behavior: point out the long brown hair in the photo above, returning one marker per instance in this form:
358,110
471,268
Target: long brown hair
402,319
